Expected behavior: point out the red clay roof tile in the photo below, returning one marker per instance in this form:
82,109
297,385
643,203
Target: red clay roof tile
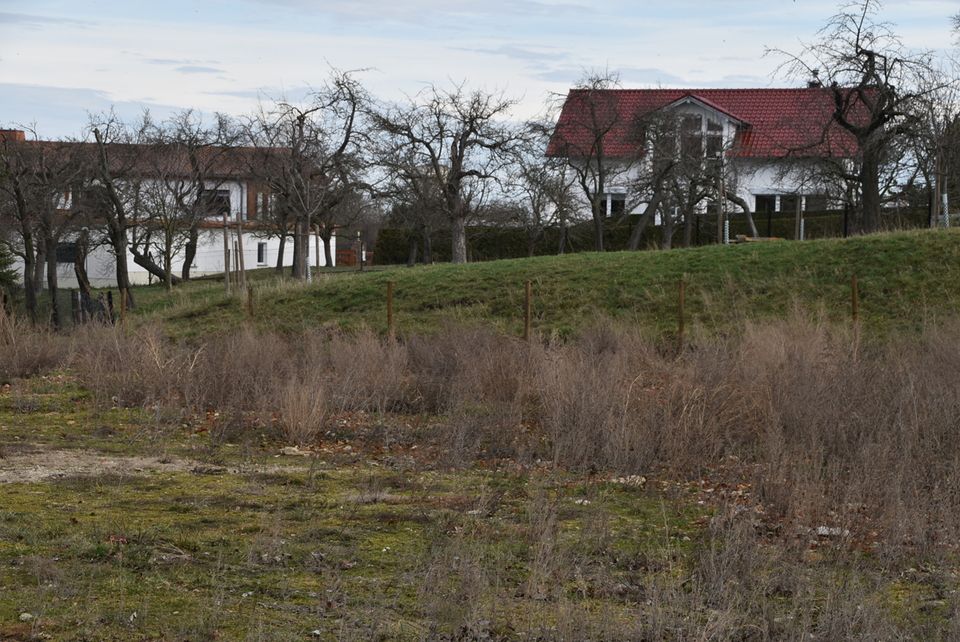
778,122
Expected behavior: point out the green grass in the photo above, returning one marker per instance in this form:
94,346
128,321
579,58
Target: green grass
290,546
360,548
906,279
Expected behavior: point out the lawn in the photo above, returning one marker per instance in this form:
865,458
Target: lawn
906,280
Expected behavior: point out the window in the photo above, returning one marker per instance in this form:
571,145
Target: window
817,203
691,136
66,252
789,203
261,253
766,203
264,203
616,203
714,139
216,202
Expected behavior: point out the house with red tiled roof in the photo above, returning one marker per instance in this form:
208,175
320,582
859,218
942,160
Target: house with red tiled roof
765,140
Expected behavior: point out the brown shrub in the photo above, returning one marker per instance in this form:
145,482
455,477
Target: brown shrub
302,410
27,350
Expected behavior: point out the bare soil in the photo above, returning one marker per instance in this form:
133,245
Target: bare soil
33,464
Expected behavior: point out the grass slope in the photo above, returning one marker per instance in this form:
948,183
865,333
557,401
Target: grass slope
906,279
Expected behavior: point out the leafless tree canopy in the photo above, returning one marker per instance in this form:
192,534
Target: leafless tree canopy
449,142
877,86
312,156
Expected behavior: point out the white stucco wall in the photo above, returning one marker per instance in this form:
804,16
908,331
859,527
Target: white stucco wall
209,259
101,265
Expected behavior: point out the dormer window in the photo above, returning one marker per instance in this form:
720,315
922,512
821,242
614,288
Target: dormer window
216,202
714,136
691,136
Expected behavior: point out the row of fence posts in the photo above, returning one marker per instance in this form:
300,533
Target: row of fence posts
84,309
528,308
82,314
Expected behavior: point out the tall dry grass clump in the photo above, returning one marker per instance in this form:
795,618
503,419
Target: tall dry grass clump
27,350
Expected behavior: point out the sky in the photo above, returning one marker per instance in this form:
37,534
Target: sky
63,59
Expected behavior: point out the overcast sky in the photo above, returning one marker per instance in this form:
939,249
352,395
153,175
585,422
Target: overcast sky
60,59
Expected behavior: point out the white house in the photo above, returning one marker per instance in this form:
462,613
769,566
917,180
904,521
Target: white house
230,187
775,145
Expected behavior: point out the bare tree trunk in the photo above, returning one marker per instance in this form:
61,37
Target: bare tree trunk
39,269
327,249
598,216
283,247
29,285
80,263
669,229
562,241
412,250
168,259
427,247
147,263
458,239
870,186
118,238
637,234
743,205
297,246
688,223
52,286
190,251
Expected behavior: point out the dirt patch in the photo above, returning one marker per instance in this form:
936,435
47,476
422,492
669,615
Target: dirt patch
35,464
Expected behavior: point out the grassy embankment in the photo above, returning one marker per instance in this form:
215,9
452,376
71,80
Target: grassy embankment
906,279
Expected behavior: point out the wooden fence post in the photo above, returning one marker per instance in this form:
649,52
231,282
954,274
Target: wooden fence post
74,306
854,299
681,302
241,266
123,307
527,309
391,330
250,301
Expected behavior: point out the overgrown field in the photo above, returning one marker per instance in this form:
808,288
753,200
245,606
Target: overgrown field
906,280
794,479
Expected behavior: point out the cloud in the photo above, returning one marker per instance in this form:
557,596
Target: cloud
61,111
424,11
524,54
628,75
198,69
35,22
290,94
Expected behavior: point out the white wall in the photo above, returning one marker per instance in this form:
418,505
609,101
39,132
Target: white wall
209,259
101,265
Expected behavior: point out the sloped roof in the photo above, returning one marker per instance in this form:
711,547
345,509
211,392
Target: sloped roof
776,122
158,160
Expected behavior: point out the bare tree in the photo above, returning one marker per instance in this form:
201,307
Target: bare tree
541,187
310,158
416,204
187,162
585,140
874,84
117,192
17,215
39,179
454,141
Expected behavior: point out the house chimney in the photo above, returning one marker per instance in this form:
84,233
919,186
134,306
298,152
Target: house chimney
14,135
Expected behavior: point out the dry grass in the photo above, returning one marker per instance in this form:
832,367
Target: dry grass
26,350
828,432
